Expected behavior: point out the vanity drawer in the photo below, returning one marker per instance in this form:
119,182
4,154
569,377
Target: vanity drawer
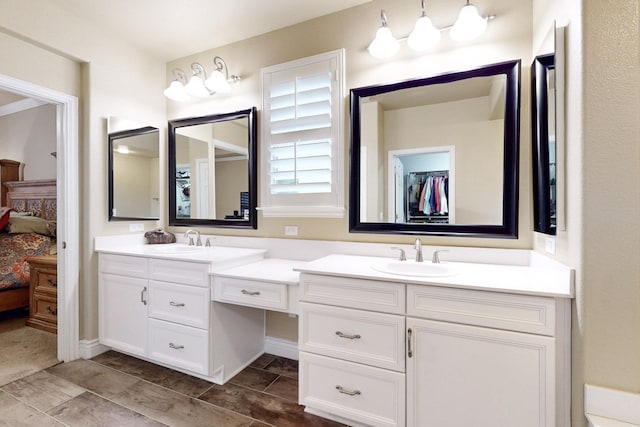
188,273
272,296
180,346
376,339
187,305
522,313
387,297
124,265
361,393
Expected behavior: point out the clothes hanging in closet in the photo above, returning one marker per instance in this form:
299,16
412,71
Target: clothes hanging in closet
434,196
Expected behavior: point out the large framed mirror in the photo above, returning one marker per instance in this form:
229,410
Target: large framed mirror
543,126
437,155
213,170
134,185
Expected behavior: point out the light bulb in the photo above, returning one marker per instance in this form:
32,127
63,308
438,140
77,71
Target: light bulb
469,24
176,92
196,88
384,45
217,82
424,36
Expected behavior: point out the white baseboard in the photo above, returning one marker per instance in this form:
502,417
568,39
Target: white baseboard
617,406
91,348
280,347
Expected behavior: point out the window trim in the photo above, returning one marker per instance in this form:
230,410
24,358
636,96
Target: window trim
301,205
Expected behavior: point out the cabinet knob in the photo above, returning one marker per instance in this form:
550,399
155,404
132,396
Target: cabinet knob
53,311
175,346
246,292
176,304
52,283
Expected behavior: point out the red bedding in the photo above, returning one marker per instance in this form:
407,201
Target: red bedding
14,251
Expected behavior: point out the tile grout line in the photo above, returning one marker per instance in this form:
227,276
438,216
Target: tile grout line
36,409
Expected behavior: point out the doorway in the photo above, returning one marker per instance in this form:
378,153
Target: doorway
68,229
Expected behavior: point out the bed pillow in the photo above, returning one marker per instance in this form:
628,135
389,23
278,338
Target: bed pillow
31,224
5,213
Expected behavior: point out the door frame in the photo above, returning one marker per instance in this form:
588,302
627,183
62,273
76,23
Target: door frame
68,228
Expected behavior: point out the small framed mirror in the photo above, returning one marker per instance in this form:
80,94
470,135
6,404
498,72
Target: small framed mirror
543,126
437,155
213,170
134,185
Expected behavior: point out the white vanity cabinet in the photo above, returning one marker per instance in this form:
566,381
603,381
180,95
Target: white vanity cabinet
156,308
392,353
161,310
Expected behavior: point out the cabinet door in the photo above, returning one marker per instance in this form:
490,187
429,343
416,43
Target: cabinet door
460,376
123,313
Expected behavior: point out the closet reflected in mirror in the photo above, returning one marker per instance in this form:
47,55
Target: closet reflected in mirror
134,188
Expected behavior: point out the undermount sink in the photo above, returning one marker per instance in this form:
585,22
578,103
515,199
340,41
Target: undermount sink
412,268
173,249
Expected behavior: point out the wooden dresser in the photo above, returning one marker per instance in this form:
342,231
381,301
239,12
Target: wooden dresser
43,293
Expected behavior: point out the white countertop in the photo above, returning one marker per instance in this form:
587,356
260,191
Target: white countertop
553,282
273,270
216,255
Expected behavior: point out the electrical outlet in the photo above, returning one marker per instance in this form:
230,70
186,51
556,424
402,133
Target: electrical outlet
550,245
136,227
290,230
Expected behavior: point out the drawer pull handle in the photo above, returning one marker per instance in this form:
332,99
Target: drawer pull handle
53,311
246,292
409,351
176,304
175,347
348,392
347,336
142,300
52,283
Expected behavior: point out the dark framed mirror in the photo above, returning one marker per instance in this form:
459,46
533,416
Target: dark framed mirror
134,186
437,155
213,170
543,126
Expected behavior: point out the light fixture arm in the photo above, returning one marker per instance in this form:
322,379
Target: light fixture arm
179,75
198,70
383,18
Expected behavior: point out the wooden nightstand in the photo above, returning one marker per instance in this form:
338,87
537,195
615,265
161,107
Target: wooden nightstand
43,293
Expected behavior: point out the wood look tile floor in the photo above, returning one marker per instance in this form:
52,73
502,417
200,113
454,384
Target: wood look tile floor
114,389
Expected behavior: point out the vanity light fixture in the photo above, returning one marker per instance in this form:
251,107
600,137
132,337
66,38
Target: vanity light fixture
384,45
123,149
424,35
199,86
469,25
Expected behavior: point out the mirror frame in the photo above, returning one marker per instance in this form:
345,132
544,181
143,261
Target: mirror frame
252,146
509,226
112,137
540,143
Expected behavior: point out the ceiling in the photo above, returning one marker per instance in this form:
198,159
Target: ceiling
169,30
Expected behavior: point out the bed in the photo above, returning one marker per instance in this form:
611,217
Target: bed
30,232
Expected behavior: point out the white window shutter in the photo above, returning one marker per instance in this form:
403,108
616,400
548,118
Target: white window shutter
302,134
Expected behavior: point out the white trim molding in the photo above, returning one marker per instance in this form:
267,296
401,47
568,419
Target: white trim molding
67,178
280,347
605,407
91,348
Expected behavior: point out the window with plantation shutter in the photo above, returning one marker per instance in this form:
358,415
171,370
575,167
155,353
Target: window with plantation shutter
301,137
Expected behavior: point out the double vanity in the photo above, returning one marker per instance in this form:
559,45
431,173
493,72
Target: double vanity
381,342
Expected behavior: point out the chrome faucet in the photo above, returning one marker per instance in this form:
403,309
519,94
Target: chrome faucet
418,247
188,234
403,256
436,256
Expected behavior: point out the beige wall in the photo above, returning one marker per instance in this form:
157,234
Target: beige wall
51,47
352,30
136,181
29,137
231,179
